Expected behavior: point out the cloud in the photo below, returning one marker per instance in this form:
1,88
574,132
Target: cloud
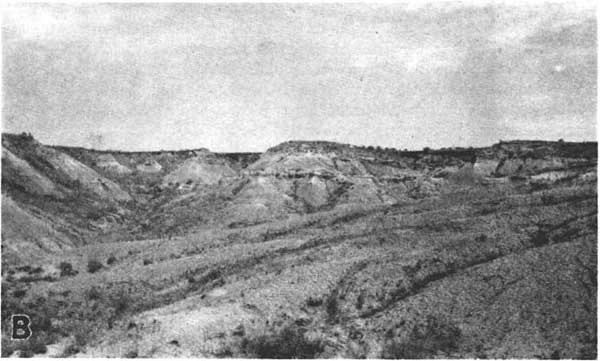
53,21
238,76
579,35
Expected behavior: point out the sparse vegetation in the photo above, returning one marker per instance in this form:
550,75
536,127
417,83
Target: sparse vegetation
285,343
391,244
424,340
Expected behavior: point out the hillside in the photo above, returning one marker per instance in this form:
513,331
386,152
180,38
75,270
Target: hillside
310,249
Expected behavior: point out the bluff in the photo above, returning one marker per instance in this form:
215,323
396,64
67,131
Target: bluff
78,195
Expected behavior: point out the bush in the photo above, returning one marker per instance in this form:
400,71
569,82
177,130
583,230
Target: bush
286,343
424,340
120,301
360,300
332,307
29,348
66,269
24,269
27,353
481,238
111,260
36,270
131,354
39,348
540,238
239,331
70,350
93,294
314,301
40,322
93,266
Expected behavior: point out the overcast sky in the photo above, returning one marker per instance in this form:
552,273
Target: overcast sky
245,77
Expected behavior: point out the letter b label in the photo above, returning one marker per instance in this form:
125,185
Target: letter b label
20,327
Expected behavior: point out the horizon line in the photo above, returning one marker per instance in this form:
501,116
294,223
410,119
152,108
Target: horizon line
500,141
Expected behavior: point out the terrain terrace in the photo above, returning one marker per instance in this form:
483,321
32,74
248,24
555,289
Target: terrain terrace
308,250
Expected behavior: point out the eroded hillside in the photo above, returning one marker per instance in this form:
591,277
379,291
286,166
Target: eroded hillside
311,249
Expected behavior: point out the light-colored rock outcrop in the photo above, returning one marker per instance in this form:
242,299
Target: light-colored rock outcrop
200,170
108,163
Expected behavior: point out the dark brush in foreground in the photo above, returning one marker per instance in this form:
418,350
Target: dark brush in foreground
309,250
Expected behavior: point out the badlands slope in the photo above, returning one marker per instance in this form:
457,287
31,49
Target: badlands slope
311,249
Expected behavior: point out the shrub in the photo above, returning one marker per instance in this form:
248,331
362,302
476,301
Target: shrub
24,269
360,300
111,260
314,301
26,353
40,323
93,294
36,270
93,265
424,340
481,238
120,301
540,238
131,354
29,348
332,307
66,269
38,348
82,332
70,350
95,214
286,343
239,331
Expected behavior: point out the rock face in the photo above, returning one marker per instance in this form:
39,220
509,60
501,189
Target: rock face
200,170
149,166
108,163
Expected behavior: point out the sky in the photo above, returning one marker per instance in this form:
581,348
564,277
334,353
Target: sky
245,77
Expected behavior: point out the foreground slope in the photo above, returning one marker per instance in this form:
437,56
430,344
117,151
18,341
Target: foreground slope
316,249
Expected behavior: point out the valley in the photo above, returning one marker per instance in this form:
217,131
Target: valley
308,250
